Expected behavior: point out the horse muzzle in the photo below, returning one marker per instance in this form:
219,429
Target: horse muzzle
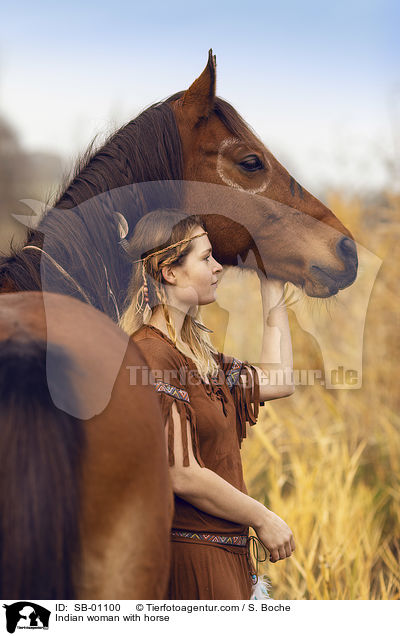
326,281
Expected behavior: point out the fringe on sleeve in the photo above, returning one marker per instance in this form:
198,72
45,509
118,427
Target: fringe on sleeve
186,413
246,394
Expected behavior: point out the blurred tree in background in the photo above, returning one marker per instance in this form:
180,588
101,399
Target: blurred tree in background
23,175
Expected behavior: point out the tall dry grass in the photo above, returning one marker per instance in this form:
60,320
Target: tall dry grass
328,461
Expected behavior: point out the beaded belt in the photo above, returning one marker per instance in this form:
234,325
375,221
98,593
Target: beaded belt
209,537
225,539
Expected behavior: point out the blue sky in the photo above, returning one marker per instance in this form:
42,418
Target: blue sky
318,81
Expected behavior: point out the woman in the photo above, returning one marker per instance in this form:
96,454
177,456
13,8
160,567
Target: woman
206,399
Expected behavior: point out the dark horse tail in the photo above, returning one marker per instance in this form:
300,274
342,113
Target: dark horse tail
40,459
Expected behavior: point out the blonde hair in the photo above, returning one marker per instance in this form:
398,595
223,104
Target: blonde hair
153,232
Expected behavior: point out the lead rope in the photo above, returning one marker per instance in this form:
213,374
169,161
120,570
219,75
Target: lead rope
260,586
255,542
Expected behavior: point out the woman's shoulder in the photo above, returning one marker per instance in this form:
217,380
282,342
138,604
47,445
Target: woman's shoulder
167,365
158,349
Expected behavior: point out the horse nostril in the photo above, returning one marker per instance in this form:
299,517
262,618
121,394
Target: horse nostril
347,249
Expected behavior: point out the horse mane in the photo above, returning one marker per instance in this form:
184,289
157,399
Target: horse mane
80,230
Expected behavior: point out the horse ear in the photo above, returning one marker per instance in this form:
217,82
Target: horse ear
198,100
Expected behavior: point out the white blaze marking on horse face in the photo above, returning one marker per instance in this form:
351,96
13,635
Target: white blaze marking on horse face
227,143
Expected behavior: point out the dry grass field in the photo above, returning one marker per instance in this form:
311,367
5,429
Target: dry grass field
326,460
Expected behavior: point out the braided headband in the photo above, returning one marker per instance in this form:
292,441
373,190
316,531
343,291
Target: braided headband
169,247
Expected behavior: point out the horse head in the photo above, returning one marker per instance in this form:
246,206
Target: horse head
253,205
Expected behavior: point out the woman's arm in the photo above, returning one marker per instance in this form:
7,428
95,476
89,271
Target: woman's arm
275,369
211,493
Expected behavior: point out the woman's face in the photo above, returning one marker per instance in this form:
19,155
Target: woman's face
195,281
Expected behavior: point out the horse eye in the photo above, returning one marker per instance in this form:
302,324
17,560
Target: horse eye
252,163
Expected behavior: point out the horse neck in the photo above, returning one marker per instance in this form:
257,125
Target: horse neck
130,174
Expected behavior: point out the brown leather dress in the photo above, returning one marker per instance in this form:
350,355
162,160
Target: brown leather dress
217,413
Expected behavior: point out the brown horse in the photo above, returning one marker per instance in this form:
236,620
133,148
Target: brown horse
192,151
85,499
